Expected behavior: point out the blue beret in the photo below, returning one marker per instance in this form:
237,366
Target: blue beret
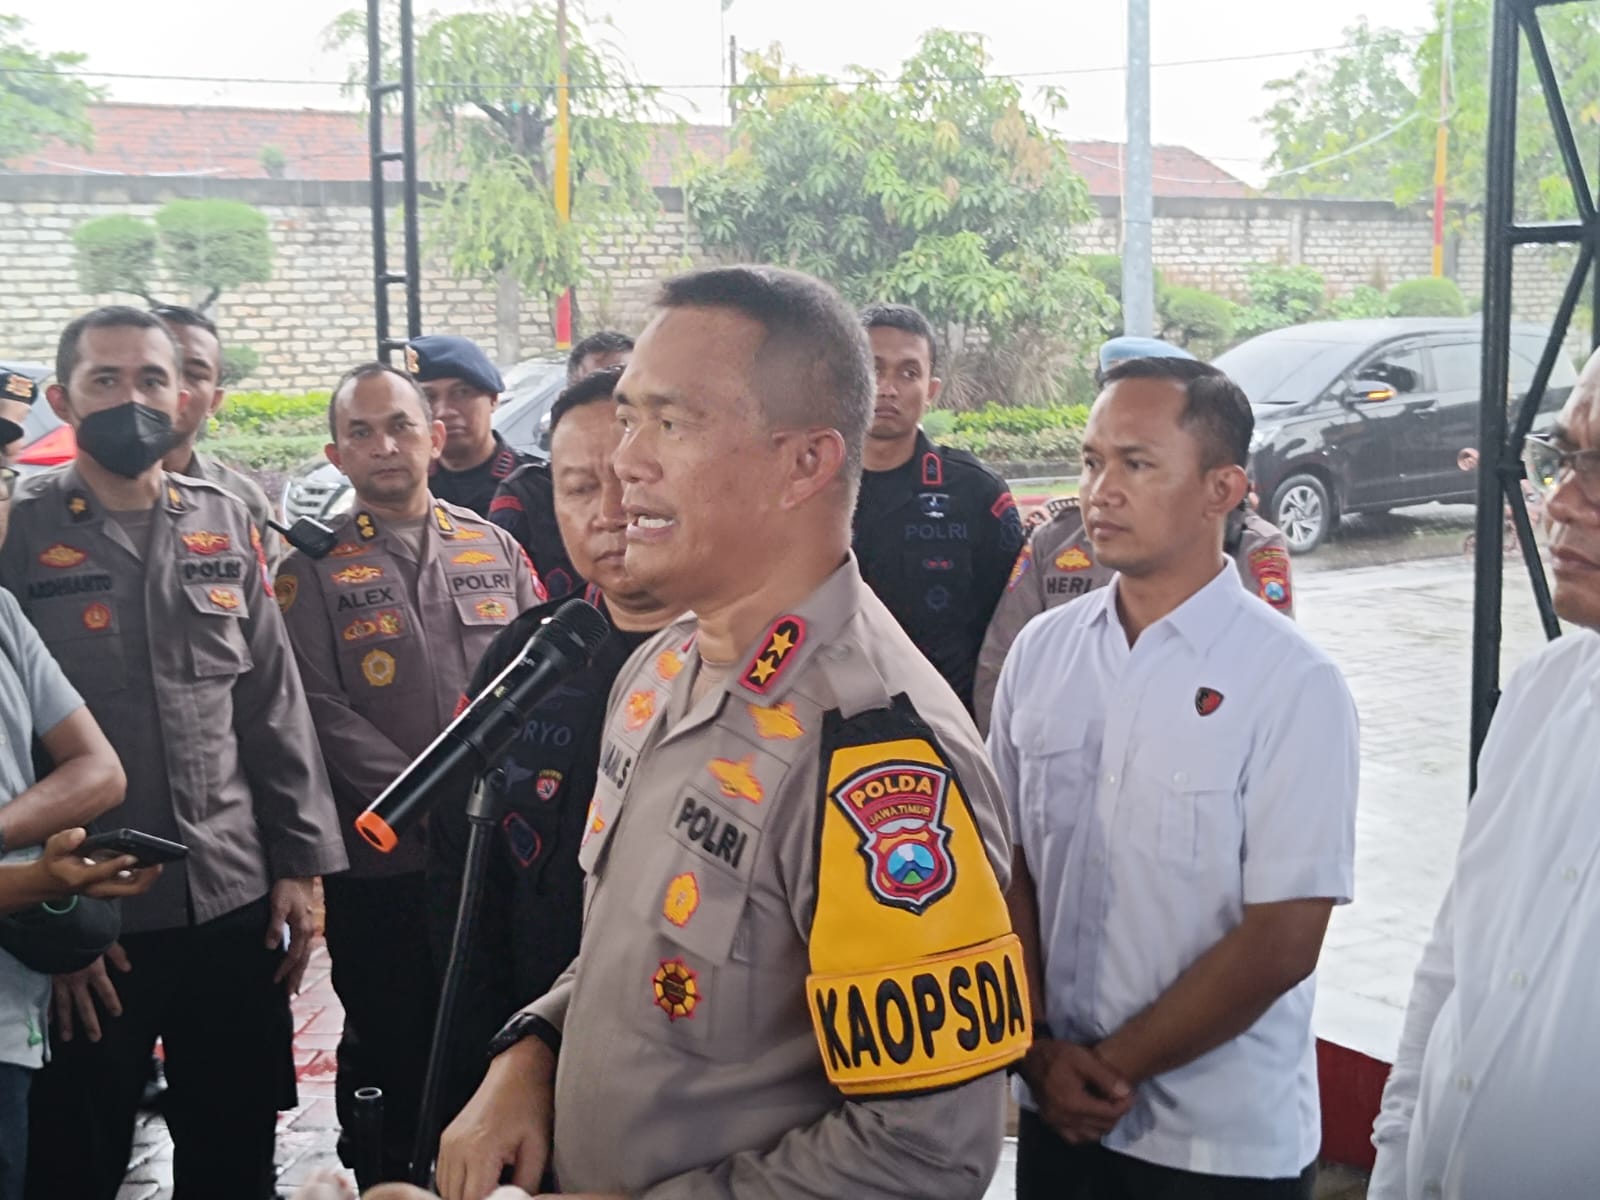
446,356
1120,349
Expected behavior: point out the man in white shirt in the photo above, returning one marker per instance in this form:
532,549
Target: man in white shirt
1495,1088
1181,766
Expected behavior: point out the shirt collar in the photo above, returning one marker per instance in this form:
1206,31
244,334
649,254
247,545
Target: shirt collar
768,669
1199,620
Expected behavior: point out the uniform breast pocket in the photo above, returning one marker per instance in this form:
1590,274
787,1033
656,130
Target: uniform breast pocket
217,645
1058,758
85,639
1186,808
939,581
493,609
699,905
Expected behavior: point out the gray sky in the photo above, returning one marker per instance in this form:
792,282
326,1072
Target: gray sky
683,42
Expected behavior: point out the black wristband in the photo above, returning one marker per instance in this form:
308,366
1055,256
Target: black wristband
525,1025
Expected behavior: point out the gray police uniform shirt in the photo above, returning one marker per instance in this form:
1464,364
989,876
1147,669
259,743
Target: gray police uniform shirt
35,697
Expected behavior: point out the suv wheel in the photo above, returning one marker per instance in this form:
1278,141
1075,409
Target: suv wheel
1302,509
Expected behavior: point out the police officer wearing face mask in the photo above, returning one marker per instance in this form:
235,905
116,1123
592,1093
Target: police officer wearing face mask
149,590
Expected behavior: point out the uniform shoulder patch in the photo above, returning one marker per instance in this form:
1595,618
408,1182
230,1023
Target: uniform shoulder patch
783,639
916,981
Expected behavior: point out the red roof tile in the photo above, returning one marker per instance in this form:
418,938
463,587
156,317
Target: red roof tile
157,139
1175,170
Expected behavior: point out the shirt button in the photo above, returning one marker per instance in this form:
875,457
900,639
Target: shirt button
1111,779
1179,778
1517,980
1570,875
1464,1082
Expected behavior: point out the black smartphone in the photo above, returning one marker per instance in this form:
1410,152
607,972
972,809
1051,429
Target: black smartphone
147,849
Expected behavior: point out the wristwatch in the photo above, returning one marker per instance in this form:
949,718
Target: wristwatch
525,1025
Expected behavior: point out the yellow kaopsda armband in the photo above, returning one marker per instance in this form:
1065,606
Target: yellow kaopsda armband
924,1025
916,978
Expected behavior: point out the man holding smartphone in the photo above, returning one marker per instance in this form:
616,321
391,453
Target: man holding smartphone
149,589
36,701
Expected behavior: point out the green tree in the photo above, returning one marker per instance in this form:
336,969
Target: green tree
1384,79
488,96
1337,102
116,254
936,189
39,102
1281,296
205,246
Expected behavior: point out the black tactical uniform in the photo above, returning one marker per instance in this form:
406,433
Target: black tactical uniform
475,487
532,906
936,538
525,508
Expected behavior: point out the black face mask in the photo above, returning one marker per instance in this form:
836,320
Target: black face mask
129,438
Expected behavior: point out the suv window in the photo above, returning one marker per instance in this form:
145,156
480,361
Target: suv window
1458,366
1398,366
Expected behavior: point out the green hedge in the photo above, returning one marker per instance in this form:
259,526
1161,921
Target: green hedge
1020,419
266,452
1018,434
1427,298
272,414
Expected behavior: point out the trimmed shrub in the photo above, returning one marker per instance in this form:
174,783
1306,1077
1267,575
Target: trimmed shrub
1197,320
1427,298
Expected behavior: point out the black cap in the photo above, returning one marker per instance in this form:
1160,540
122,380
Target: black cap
446,356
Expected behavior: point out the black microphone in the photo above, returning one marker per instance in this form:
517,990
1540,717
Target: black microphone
559,648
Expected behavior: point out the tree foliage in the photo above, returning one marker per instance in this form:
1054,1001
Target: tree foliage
116,254
487,98
205,246
1281,296
38,101
1384,80
936,189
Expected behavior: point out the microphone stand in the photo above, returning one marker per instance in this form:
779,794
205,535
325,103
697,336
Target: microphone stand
481,805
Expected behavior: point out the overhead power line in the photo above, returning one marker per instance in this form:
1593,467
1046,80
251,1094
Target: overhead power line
722,86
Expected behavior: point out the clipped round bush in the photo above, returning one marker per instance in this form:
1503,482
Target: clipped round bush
1192,318
1427,298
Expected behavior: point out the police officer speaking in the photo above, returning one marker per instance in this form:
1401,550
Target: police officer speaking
936,531
532,907
387,629
463,389
797,976
149,589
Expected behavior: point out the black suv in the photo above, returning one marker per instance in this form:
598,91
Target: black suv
1365,416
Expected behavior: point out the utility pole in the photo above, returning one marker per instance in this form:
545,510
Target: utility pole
1138,208
1441,149
563,172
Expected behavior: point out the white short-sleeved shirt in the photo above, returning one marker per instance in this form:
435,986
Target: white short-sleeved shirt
1155,792
34,698
1494,1090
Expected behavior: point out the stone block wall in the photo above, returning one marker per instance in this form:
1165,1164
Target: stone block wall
315,318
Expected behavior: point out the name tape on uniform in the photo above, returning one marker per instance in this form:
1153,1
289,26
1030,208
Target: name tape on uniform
923,1025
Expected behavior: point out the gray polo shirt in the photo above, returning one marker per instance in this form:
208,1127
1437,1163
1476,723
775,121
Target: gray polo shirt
35,697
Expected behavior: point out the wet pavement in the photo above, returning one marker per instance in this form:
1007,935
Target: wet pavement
1401,631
